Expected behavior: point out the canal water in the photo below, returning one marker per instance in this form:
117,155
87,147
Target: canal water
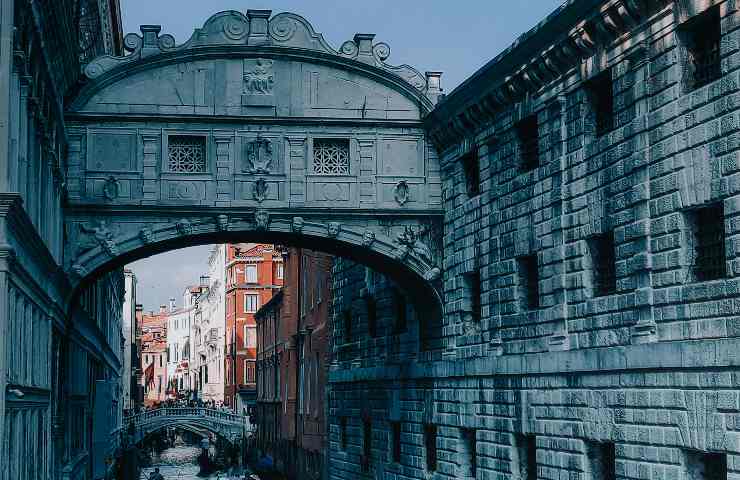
180,463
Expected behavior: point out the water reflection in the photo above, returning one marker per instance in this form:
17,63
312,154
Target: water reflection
179,463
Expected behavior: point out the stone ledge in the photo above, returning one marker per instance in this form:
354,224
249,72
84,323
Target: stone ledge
651,356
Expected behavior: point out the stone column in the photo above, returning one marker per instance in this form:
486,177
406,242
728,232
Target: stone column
151,188
224,174
6,258
7,31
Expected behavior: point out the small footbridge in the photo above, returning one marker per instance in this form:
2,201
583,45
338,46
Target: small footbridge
196,419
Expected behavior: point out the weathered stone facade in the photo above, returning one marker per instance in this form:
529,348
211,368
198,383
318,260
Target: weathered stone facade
575,168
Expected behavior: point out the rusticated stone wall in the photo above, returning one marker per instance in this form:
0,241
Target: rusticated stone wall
638,383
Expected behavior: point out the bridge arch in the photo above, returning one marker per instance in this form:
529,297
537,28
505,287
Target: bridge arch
222,139
228,426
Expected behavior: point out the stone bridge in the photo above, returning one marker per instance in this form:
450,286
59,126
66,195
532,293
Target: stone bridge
197,420
255,129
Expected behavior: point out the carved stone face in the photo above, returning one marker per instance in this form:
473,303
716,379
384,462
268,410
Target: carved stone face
262,218
368,238
333,229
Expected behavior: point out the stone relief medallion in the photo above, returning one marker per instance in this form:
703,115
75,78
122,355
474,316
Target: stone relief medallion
283,30
111,188
297,224
333,229
235,28
184,227
260,189
262,219
368,238
222,222
259,156
401,192
258,77
410,241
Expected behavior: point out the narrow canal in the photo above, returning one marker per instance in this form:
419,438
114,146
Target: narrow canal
180,463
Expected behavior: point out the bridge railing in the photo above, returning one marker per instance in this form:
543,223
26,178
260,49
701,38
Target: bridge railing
207,413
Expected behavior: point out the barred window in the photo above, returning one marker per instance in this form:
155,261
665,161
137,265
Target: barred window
372,316
706,465
471,167
367,444
186,154
468,442
702,35
602,101
343,433
430,442
709,243
527,132
396,441
529,281
399,302
602,463
331,157
603,259
472,284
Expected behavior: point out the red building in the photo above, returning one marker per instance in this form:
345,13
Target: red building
254,273
292,344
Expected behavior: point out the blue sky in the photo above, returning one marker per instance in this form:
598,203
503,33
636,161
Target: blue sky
456,38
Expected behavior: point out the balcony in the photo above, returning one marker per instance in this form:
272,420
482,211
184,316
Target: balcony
211,337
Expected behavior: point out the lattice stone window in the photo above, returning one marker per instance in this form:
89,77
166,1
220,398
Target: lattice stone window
331,157
708,242
186,154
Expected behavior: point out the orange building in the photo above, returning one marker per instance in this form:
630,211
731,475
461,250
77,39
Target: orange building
254,273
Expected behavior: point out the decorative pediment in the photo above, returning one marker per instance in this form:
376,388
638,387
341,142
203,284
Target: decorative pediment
257,29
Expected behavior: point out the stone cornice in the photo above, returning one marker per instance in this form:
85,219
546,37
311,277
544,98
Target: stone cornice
539,57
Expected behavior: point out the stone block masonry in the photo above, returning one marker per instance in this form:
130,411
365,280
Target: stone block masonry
589,272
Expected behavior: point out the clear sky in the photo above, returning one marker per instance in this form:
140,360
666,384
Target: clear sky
455,37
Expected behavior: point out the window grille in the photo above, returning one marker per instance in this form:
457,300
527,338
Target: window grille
430,442
603,259
472,285
709,243
529,279
706,466
367,444
703,36
602,460
186,154
331,157
471,167
469,444
529,149
396,441
602,101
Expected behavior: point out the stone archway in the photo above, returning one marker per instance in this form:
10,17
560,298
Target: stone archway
255,126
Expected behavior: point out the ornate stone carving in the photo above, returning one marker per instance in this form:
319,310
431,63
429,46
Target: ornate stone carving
410,242
259,156
145,234
297,224
262,219
401,192
96,236
333,229
111,188
184,227
258,77
222,223
368,238
259,190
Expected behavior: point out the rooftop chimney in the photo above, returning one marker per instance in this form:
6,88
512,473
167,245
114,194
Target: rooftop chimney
163,309
139,307
204,280
172,304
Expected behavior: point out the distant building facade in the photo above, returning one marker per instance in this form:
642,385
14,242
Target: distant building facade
209,329
254,272
178,347
130,352
292,343
154,356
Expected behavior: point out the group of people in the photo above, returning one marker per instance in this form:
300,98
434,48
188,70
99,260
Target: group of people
175,403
